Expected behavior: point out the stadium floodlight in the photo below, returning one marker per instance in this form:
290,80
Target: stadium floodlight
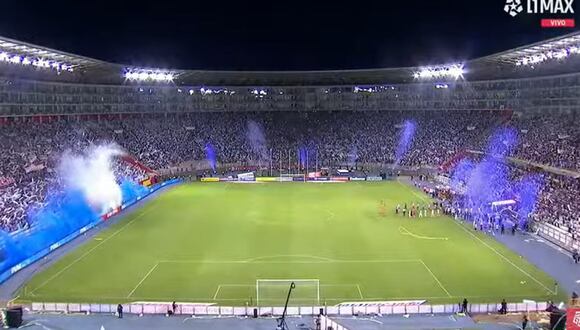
553,54
15,59
148,75
38,62
454,71
41,63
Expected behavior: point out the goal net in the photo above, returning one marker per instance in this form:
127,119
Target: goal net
274,292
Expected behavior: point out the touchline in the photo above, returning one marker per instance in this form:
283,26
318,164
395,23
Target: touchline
550,6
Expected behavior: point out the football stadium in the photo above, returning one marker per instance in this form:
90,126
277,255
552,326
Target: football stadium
442,196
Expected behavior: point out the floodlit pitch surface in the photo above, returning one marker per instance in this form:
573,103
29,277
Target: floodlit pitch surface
210,242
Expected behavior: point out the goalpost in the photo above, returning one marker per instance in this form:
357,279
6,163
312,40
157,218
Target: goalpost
270,292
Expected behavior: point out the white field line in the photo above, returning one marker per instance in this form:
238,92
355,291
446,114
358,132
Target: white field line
436,279
289,261
289,256
360,292
217,291
142,280
91,250
412,189
505,258
12,300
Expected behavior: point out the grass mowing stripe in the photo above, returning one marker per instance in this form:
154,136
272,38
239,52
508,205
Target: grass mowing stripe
89,251
142,280
436,279
506,259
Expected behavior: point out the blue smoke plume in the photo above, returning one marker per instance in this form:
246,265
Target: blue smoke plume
65,212
405,140
493,179
302,156
210,156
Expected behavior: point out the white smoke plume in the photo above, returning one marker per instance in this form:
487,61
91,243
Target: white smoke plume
91,172
257,140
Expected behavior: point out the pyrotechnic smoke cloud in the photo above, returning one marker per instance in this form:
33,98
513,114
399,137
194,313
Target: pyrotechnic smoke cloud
91,173
492,179
257,140
210,156
405,140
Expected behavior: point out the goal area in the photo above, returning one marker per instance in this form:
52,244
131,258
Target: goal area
273,292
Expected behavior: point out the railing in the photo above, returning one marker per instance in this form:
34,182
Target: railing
326,323
210,309
558,236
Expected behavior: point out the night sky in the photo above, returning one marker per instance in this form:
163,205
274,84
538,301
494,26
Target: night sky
272,35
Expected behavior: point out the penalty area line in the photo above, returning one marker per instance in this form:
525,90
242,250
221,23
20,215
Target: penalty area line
91,250
436,279
360,291
217,291
143,280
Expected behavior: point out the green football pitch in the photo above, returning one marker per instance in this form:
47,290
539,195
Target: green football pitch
225,243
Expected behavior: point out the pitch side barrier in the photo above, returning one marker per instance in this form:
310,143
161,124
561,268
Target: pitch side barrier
294,178
55,245
350,309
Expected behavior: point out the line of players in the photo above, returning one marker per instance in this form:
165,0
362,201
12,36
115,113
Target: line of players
418,210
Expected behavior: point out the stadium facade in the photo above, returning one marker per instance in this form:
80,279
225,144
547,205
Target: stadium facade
535,78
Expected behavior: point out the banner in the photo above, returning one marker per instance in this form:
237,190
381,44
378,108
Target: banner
210,179
298,178
339,178
374,178
34,168
285,179
354,178
249,176
146,182
382,303
573,319
266,179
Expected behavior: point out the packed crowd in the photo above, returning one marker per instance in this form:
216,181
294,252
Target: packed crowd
31,150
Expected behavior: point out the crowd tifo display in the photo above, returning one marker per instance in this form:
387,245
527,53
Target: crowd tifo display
32,149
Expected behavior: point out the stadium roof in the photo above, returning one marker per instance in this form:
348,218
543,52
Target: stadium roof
28,50
513,56
502,65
